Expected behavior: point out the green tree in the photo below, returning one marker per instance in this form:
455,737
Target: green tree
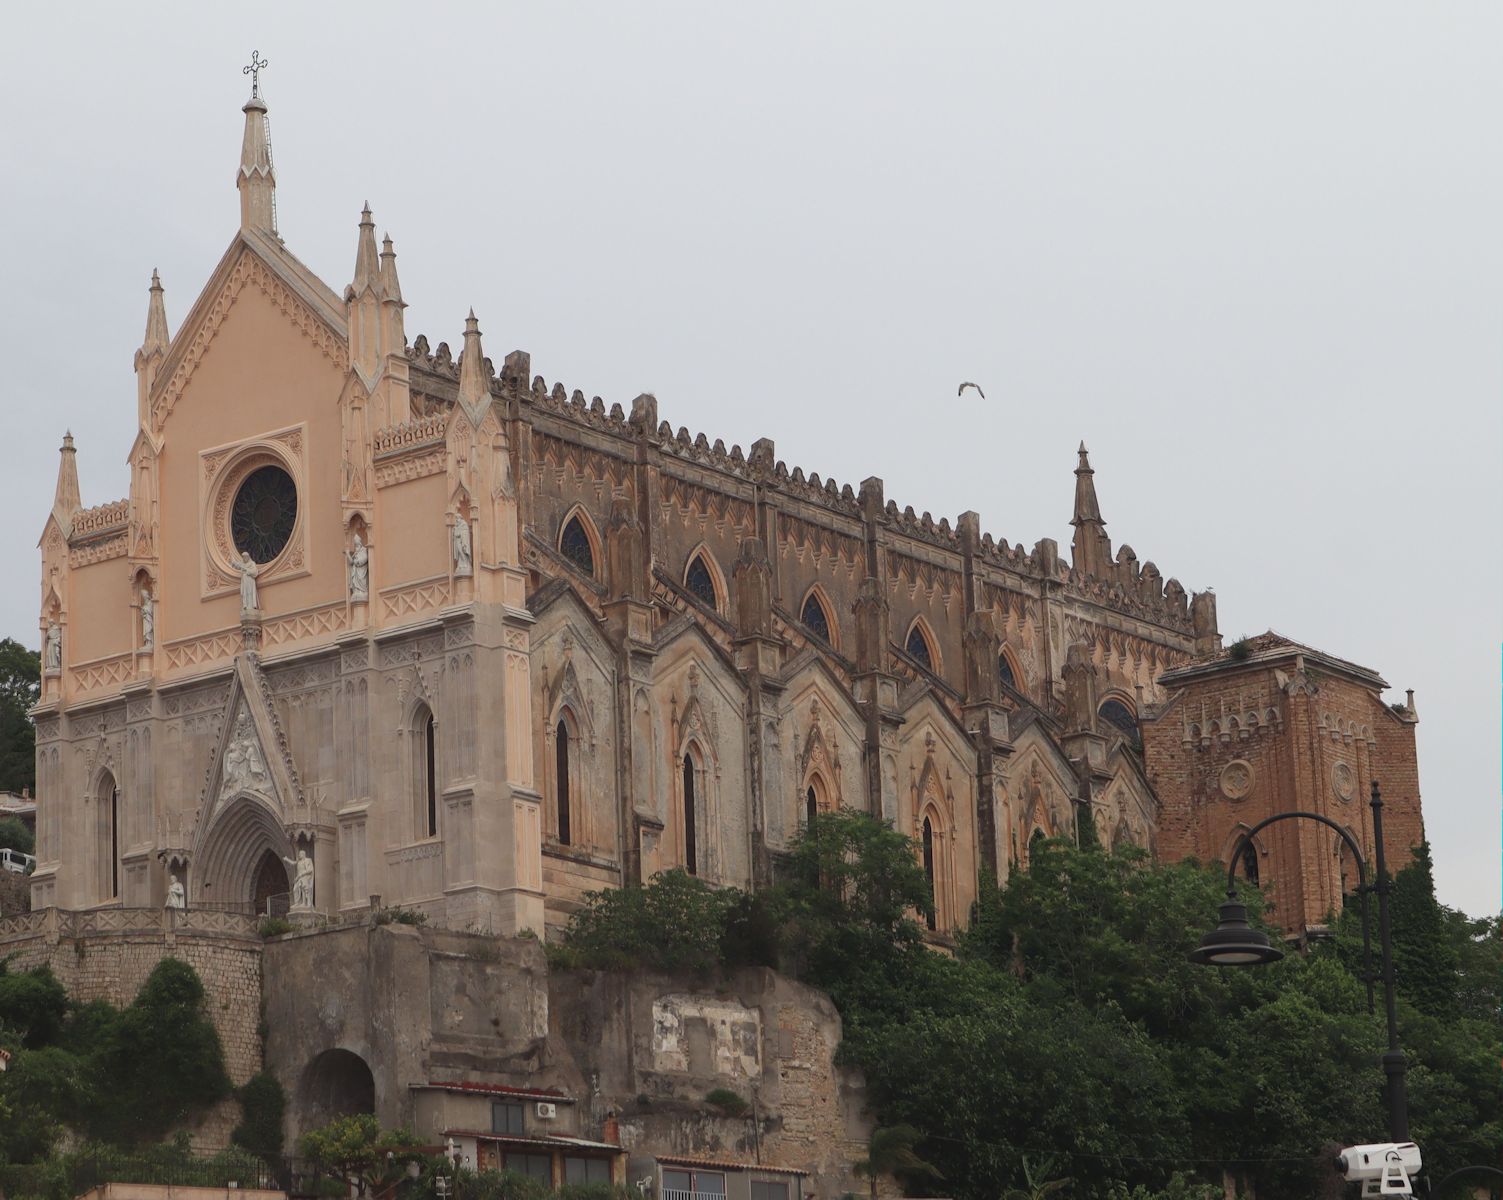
20,684
673,923
1425,958
33,1006
359,1153
262,1107
891,1151
162,1056
17,835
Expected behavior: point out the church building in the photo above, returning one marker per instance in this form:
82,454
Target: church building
383,622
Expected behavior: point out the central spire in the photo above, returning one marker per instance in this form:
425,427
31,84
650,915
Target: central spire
256,179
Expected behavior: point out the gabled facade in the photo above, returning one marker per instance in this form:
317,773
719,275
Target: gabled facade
476,645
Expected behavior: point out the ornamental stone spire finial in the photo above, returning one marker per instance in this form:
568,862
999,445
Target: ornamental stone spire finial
474,387
66,501
156,338
391,288
367,269
1091,549
256,179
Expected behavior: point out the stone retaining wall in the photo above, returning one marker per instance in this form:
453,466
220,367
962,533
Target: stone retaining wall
107,953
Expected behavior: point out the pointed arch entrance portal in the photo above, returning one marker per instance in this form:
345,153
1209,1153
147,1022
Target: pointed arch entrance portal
269,880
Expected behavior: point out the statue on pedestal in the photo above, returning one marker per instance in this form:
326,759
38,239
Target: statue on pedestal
54,646
148,620
248,572
177,897
461,546
302,885
359,559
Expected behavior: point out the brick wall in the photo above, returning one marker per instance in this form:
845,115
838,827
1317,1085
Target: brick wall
1243,741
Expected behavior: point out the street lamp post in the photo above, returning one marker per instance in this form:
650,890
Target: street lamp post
1235,943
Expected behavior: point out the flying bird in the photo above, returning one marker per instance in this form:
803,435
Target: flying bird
961,390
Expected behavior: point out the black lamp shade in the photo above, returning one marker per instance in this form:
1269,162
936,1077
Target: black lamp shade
1235,943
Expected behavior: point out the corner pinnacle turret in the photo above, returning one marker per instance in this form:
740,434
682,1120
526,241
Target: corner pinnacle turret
1091,548
66,500
474,387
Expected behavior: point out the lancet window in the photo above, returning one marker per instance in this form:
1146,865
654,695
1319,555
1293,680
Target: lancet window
575,544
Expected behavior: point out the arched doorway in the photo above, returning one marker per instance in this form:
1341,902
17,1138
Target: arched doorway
337,1083
269,880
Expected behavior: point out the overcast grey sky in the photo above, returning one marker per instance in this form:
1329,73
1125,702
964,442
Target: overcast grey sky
1252,254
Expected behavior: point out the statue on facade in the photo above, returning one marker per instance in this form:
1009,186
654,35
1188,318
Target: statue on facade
461,546
177,897
359,558
54,646
248,572
302,884
148,620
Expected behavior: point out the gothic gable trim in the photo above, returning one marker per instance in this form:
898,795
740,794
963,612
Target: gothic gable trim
249,260
251,760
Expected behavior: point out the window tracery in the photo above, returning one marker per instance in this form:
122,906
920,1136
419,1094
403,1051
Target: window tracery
575,544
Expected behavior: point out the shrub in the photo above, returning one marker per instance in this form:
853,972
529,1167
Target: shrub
274,927
673,923
262,1106
727,1101
401,916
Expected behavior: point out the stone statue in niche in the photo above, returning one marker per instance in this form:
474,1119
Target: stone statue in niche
54,647
359,558
462,557
248,572
148,619
302,883
244,768
177,897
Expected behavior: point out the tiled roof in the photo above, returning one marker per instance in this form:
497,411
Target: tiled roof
724,1164
496,1089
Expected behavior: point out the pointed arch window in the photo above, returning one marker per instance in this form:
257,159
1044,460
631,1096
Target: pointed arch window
562,781
575,544
918,646
700,581
932,917
1247,862
691,848
1118,715
107,827
811,806
1035,842
425,771
816,618
1005,674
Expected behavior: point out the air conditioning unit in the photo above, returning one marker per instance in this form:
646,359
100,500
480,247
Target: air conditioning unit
546,1111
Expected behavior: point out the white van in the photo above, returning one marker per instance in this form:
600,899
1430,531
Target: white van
16,862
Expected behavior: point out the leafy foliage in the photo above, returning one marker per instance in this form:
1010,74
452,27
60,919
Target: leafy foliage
1070,1038
262,1106
160,1055
359,1153
15,834
20,684
674,923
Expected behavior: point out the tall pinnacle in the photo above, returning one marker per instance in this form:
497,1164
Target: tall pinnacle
1086,508
66,501
366,269
474,387
1091,549
156,338
391,288
256,179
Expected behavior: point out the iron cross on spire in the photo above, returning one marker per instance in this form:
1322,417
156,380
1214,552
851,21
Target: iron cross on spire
254,71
